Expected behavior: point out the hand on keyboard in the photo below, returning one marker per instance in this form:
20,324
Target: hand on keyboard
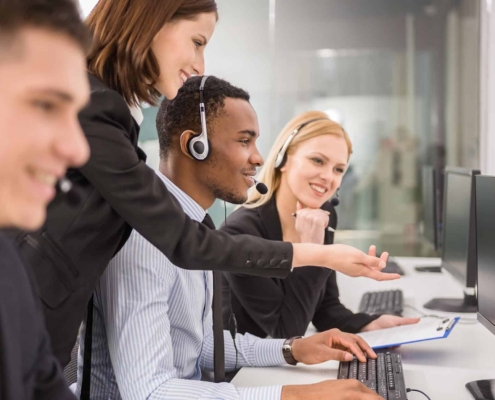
388,321
349,389
331,345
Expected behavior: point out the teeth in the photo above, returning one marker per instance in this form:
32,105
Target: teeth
183,77
318,189
43,177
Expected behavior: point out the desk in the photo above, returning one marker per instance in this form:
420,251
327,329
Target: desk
440,368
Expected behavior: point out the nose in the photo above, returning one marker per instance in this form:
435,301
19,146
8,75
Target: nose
199,64
256,158
71,145
328,175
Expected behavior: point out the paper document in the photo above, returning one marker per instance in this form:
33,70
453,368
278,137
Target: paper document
426,329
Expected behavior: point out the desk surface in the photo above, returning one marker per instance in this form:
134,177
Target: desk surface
440,368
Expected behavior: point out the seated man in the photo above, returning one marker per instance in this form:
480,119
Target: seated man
43,86
152,324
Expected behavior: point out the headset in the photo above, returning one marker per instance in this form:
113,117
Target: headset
282,157
198,146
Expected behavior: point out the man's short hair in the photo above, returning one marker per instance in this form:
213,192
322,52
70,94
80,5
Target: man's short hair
61,16
182,113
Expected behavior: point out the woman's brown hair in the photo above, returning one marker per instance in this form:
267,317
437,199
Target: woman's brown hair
123,31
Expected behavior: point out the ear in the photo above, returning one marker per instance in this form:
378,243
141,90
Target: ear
184,140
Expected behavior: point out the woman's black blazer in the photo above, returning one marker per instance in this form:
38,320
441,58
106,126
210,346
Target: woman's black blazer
119,192
282,308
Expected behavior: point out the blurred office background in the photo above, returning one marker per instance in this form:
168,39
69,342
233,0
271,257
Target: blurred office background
401,76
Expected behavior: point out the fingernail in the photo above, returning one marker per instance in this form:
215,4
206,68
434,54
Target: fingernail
348,357
382,264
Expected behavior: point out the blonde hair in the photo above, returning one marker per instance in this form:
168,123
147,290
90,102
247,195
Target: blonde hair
271,176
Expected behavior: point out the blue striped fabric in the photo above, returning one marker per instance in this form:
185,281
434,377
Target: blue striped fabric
153,329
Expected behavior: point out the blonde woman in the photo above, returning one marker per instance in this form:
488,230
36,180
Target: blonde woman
302,172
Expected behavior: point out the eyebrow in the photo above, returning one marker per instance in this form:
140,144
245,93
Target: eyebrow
64,96
326,158
249,132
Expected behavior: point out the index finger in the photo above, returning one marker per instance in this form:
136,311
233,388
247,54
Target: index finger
364,346
352,346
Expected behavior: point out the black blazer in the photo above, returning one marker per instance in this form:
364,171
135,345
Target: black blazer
119,193
283,308
28,368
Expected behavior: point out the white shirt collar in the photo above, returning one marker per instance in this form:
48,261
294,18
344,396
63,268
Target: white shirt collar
137,114
190,207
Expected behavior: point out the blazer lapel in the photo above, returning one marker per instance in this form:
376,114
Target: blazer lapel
270,220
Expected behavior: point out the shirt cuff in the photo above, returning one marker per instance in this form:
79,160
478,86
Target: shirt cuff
268,352
261,392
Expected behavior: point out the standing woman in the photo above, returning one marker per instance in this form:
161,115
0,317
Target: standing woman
142,49
303,172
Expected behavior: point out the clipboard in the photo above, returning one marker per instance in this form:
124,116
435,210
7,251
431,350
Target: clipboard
427,328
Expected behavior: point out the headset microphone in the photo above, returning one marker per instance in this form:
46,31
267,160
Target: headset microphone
260,187
335,201
70,193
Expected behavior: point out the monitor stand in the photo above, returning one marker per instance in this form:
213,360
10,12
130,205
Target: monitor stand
482,390
468,304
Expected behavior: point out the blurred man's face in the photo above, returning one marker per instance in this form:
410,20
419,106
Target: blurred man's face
43,86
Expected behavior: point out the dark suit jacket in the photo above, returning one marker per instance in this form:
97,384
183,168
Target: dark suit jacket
28,368
119,193
283,308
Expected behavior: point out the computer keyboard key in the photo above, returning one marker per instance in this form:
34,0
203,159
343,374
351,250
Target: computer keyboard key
353,369
383,375
362,372
344,370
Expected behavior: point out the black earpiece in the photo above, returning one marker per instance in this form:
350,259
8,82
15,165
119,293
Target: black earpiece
198,146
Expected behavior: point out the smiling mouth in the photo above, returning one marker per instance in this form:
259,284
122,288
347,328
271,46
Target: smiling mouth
183,76
43,177
318,189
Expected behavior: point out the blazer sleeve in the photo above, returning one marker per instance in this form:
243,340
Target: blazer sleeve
139,196
331,313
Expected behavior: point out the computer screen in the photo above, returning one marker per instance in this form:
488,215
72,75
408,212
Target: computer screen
459,251
430,205
485,238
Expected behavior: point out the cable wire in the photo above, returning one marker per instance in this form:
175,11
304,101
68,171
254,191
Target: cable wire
419,391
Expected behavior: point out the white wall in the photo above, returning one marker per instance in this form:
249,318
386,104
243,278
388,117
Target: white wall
87,6
487,109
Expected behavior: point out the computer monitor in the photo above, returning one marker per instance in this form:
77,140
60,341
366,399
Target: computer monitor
485,252
431,199
459,238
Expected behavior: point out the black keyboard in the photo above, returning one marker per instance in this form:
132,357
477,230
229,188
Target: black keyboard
393,268
383,375
383,302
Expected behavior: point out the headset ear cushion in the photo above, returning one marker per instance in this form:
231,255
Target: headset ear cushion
198,148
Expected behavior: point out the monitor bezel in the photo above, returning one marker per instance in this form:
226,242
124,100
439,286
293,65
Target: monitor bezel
434,176
469,281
